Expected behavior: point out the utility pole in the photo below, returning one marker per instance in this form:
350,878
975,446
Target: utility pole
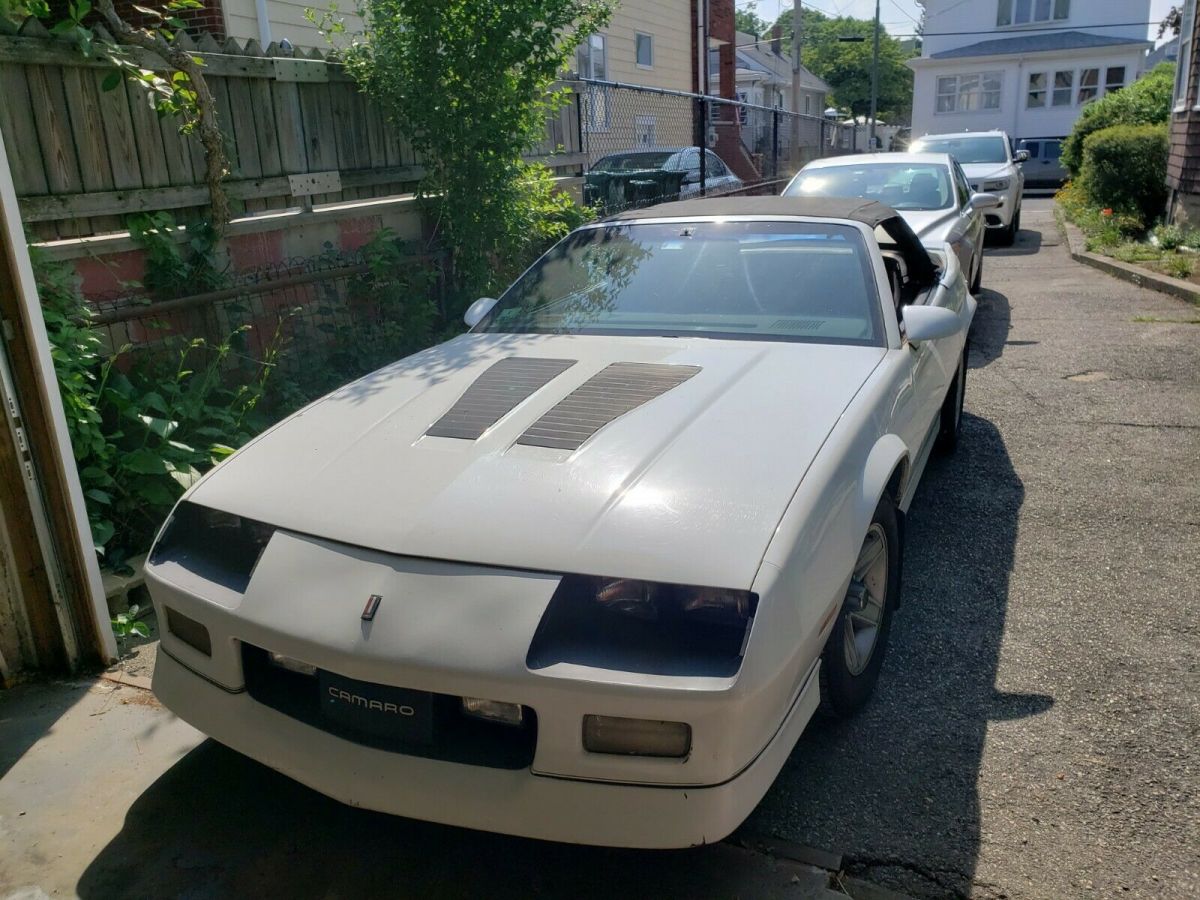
874,79
797,34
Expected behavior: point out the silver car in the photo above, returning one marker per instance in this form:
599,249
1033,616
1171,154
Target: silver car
991,166
929,190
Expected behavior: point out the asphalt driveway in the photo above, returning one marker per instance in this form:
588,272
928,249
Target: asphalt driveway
1035,733
1037,728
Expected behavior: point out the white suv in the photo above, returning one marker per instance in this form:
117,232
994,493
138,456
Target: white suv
988,160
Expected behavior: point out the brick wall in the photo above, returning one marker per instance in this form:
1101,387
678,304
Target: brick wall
210,17
729,147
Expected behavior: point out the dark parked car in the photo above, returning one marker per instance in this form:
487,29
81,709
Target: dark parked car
652,175
1043,168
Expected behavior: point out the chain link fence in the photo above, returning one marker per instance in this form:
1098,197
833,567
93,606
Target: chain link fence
642,145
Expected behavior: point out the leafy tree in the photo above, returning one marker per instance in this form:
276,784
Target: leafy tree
747,19
846,66
1145,102
467,81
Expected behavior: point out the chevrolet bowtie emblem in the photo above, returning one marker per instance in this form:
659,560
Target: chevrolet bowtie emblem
368,613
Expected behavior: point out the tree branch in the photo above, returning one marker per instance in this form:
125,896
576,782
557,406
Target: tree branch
217,164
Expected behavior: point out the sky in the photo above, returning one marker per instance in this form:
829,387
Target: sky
900,16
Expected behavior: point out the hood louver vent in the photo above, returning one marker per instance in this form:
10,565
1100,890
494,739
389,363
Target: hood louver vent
495,394
607,395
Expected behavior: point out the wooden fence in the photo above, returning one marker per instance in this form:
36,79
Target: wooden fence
297,130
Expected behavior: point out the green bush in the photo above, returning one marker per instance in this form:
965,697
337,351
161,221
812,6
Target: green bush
143,430
1145,102
1169,237
1125,169
1178,266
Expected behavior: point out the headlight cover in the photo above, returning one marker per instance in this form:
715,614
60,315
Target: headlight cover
648,627
1000,184
217,546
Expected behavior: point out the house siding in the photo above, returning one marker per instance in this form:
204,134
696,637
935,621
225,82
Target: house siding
951,25
1183,162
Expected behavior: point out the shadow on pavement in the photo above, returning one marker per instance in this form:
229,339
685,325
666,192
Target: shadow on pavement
29,711
1027,243
217,824
989,330
894,790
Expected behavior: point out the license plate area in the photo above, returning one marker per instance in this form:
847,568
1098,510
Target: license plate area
376,710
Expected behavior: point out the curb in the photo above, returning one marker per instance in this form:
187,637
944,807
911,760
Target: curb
1136,275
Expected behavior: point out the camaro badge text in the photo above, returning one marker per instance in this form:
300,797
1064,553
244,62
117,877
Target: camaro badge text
368,613
338,695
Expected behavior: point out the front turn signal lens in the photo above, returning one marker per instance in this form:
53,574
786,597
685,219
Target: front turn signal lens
493,711
189,631
636,737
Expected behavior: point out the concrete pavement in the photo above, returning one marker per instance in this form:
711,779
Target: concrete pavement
1034,734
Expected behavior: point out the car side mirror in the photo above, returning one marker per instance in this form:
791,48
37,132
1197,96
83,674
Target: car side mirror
477,310
1020,156
928,323
692,176
984,201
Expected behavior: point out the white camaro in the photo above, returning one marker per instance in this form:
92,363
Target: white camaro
585,572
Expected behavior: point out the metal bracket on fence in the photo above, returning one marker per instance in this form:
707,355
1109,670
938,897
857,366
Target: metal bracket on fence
315,183
300,69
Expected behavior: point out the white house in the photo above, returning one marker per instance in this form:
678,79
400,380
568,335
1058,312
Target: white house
764,76
1026,67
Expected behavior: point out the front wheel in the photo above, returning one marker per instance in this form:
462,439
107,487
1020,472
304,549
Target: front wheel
854,651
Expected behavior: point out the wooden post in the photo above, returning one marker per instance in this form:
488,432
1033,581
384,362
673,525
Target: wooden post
66,607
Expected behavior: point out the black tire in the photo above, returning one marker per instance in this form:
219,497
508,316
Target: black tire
952,406
977,281
844,691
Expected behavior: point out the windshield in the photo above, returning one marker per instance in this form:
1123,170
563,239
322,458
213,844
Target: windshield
775,281
965,149
898,185
632,162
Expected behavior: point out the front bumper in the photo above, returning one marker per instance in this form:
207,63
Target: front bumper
1002,215
463,631
516,802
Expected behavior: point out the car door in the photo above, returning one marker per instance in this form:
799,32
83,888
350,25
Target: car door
971,221
718,177
691,167
1053,170
933,366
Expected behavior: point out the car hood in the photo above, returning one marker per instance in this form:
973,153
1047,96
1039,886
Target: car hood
976,172
688,486
930,225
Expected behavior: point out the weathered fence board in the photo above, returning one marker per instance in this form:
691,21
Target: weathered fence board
85,159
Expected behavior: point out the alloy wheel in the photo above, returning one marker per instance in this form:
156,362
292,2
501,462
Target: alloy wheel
866,601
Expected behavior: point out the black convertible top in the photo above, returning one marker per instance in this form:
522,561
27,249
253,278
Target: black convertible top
867,211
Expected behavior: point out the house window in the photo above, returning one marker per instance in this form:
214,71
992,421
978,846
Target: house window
969,93
1114,79
644,45
1089,85
1036,99
643,131
714,71
1183,63
742,113
1030,12
593,58
808,104
1064,83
